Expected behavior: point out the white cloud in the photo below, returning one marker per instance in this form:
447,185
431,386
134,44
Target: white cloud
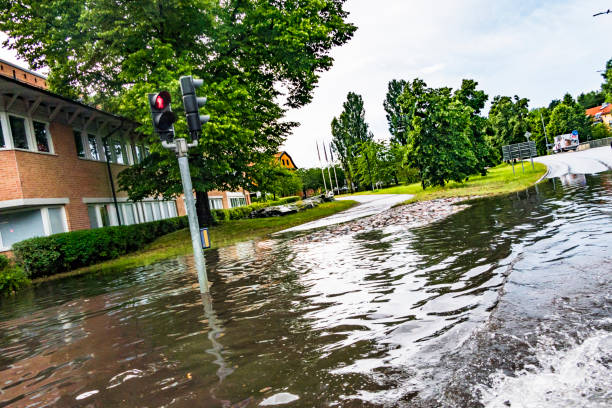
538,50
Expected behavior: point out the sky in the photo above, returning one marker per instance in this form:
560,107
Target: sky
535,49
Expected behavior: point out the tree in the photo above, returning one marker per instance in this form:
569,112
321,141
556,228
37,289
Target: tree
606,87
507,118
591,99
439,144
349,132
271,177
399,116
535,120
600,131
567,117
468,96
379,162
115,51
313,178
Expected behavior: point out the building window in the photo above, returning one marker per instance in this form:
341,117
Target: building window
2,139
18,131
119,151
237,201
78,142
93,147
24,224
172,209
41,136
148,210
215,203
128,210
56,220
93,218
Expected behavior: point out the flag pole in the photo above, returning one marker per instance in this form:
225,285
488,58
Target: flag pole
331,155
321,164
331,183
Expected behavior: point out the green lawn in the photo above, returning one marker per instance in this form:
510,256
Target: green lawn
227,233
499,180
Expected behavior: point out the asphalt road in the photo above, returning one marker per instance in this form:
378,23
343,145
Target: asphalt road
368,205
589,161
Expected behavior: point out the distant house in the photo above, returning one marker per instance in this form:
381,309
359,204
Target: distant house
58,157
601,113
285,160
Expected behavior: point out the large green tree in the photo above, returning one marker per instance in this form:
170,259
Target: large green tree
507,118
251,54
349,132
439,144
567,117
591,99
606,87
536,121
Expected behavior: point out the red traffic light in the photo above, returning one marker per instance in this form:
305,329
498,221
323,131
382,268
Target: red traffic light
162,100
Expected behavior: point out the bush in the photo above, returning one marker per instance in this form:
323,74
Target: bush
12,278
239,213
44,256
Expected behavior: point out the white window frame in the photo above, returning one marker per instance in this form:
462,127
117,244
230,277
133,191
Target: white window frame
8,137
28,131
47,132
46,221
84,142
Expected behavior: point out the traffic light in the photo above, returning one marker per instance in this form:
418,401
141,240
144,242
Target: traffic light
192,103
162,115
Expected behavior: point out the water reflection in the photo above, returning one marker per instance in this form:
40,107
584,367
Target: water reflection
376,318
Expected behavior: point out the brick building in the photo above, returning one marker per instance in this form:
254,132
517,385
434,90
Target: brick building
55,174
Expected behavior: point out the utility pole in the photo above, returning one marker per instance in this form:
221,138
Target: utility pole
331,154
321,164
544,128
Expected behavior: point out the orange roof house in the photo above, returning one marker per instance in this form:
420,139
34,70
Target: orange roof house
601,113
285,160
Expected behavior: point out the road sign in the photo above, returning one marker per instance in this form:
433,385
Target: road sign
519,151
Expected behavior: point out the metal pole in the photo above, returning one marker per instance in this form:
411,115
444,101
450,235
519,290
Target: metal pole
331,183
336,177
544,128
110,173
194,228
324,183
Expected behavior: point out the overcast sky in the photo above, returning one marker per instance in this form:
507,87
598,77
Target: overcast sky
535,49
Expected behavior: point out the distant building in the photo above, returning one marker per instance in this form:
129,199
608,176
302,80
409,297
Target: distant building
601,113
285,160
53,164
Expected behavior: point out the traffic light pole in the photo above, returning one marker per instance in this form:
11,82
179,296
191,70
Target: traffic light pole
181,147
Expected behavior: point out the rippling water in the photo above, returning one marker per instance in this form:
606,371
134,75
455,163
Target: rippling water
507,303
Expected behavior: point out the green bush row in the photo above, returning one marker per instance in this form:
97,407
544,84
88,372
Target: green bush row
12,277
239,213
44,256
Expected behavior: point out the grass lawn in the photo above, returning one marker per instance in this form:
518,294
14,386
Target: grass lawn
227,233
499,180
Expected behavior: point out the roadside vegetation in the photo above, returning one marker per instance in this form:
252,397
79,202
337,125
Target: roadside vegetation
225,233
499,180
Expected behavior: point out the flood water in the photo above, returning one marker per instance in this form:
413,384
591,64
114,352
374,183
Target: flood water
507,303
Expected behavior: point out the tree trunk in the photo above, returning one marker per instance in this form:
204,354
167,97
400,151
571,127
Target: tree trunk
205,218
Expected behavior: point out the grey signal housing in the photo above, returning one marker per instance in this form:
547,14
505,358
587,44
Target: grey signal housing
192,103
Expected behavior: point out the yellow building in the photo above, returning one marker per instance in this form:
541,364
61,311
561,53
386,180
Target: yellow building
285,160
601,113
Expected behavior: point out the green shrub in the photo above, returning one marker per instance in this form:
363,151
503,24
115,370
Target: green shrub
4,262
12,278
44,256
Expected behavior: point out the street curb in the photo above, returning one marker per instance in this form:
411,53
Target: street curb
544,176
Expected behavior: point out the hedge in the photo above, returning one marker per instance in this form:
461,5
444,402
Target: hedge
239,213
44,256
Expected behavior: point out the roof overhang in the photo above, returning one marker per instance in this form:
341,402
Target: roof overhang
22,98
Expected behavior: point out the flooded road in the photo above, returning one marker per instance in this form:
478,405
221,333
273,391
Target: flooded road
507,303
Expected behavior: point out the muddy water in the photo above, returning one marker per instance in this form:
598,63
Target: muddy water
507,303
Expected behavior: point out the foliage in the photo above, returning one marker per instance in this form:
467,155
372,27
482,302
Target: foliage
606,87
508,120
475,99
439,144
269,176
349,132
536,119
399,122
312,179
379,163
591,99
44,256
567,117
239,213
12,277
499,180
600,131
251,54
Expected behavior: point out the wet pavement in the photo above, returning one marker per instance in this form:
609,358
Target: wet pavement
368,205
507,302
590,161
